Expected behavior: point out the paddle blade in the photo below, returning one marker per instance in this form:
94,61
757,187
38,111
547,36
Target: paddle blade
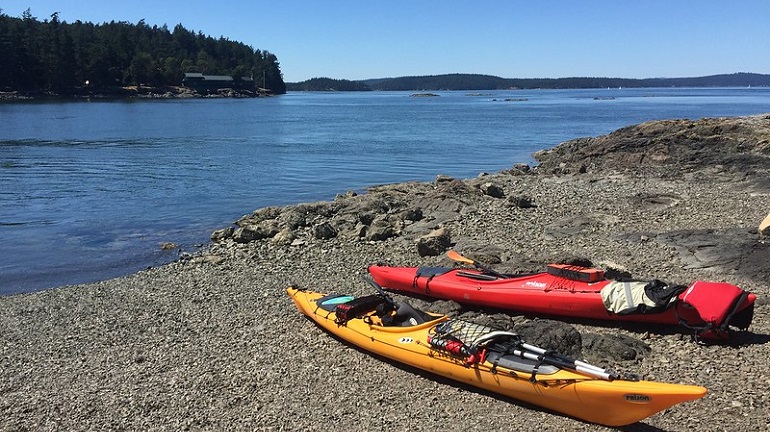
454,256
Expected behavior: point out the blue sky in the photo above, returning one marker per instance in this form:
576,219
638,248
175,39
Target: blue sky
360,39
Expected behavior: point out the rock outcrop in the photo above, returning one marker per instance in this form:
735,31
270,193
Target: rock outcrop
739,144
736,150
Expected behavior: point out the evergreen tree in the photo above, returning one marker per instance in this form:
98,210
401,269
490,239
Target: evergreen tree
54,56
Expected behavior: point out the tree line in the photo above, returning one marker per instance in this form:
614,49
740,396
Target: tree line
66,58
328,84
489,82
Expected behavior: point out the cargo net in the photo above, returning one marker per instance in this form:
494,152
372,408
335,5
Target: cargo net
463,331
473,342
463,338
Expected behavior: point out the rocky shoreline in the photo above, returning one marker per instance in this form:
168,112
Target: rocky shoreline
133,92
212,342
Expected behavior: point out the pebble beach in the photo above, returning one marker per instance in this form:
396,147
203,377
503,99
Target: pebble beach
213,342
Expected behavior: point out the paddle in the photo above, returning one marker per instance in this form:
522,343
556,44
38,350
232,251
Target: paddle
535,353
514,345
381,292
455,256
402,309
566,362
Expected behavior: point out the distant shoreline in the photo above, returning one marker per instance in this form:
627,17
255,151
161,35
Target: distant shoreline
477,82
181,92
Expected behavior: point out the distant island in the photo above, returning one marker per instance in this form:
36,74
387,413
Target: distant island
490,82
53,58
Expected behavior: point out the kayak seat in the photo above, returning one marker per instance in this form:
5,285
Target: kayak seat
405,315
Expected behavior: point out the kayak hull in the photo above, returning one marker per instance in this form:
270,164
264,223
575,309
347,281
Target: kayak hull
611,403
538,294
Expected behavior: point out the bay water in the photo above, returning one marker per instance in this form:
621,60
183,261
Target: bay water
89,190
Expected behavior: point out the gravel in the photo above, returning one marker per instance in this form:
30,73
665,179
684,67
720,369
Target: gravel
214,343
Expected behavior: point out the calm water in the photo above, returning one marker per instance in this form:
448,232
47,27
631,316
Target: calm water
89,190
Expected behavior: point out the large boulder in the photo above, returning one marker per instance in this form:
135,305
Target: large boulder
324,231
552,335
263,230
521,201
380,229
493,190
435,243
614,347
222,234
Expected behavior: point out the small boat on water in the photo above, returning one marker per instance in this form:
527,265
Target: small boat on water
708,309
489,359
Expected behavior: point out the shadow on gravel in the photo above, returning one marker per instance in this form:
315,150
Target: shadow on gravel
640,427
748,338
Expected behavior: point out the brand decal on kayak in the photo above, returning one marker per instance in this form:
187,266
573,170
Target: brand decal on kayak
638,398
536,284
405,340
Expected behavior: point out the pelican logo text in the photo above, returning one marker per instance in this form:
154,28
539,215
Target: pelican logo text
638,398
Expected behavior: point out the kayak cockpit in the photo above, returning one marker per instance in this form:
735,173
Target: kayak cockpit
376,309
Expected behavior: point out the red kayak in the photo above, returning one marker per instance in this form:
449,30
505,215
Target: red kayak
710,309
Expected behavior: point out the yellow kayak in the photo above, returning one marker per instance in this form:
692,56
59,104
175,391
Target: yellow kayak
493,360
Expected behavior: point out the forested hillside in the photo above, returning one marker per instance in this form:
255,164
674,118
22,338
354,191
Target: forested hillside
64,58
489,82
328,84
